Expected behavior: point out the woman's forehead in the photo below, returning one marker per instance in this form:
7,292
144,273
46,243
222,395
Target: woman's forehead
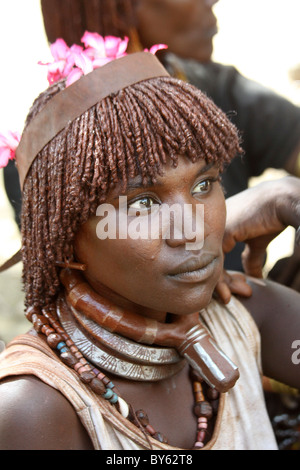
184,166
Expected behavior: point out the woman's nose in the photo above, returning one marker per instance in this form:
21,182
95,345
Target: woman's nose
186,226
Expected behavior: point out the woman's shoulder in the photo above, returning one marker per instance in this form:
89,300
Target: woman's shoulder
34,416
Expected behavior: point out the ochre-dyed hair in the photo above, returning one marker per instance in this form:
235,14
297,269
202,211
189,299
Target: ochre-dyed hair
132,132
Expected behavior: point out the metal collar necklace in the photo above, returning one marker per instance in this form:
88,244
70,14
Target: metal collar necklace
114,353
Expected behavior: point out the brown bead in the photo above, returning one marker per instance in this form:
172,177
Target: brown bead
87,377
47,330
197,387
101,376
55,325
203,409
38,322
199,396
81,368
69,359
54,339
142,417
105,380
150,429
212,394
30,312
60,330
97,386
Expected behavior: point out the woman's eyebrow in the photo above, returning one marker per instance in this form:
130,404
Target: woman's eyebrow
205,168
137,182
132,185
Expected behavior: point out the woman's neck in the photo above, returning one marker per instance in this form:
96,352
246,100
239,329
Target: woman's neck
186,334
126,304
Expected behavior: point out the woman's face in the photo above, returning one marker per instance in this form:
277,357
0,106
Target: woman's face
146,263
186,26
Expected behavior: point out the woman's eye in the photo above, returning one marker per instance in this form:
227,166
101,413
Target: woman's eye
142,204
203,187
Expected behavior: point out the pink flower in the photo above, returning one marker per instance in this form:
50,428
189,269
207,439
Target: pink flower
155,48
82,66
59,50
60,67
102,50
55,71
9,141
65,58
75,61
115,47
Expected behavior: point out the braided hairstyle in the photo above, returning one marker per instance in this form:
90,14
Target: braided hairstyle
131,132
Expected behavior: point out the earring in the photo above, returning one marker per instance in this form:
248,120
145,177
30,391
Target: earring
71,265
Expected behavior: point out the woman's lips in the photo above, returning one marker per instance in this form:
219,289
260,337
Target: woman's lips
195,269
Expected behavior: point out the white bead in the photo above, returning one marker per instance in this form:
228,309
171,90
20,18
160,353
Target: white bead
124,408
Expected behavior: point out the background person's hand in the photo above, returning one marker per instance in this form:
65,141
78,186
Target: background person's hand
232,282
257,215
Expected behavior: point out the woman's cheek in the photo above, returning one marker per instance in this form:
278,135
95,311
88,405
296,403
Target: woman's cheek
215,219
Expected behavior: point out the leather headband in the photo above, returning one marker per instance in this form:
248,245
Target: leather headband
72,102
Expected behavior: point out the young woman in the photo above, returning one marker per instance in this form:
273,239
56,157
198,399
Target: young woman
129,348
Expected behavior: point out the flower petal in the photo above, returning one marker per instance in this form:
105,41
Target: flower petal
115,47
156,47
94,41
100,61
84,63
75,49
56,71
5,156
59,49
123,46
75,74
112,45
9,141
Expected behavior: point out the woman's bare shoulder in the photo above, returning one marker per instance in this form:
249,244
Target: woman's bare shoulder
34,416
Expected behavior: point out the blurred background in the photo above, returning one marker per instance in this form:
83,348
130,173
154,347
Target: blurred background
263,44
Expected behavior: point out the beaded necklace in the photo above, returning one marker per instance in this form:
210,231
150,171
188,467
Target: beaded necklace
46,322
